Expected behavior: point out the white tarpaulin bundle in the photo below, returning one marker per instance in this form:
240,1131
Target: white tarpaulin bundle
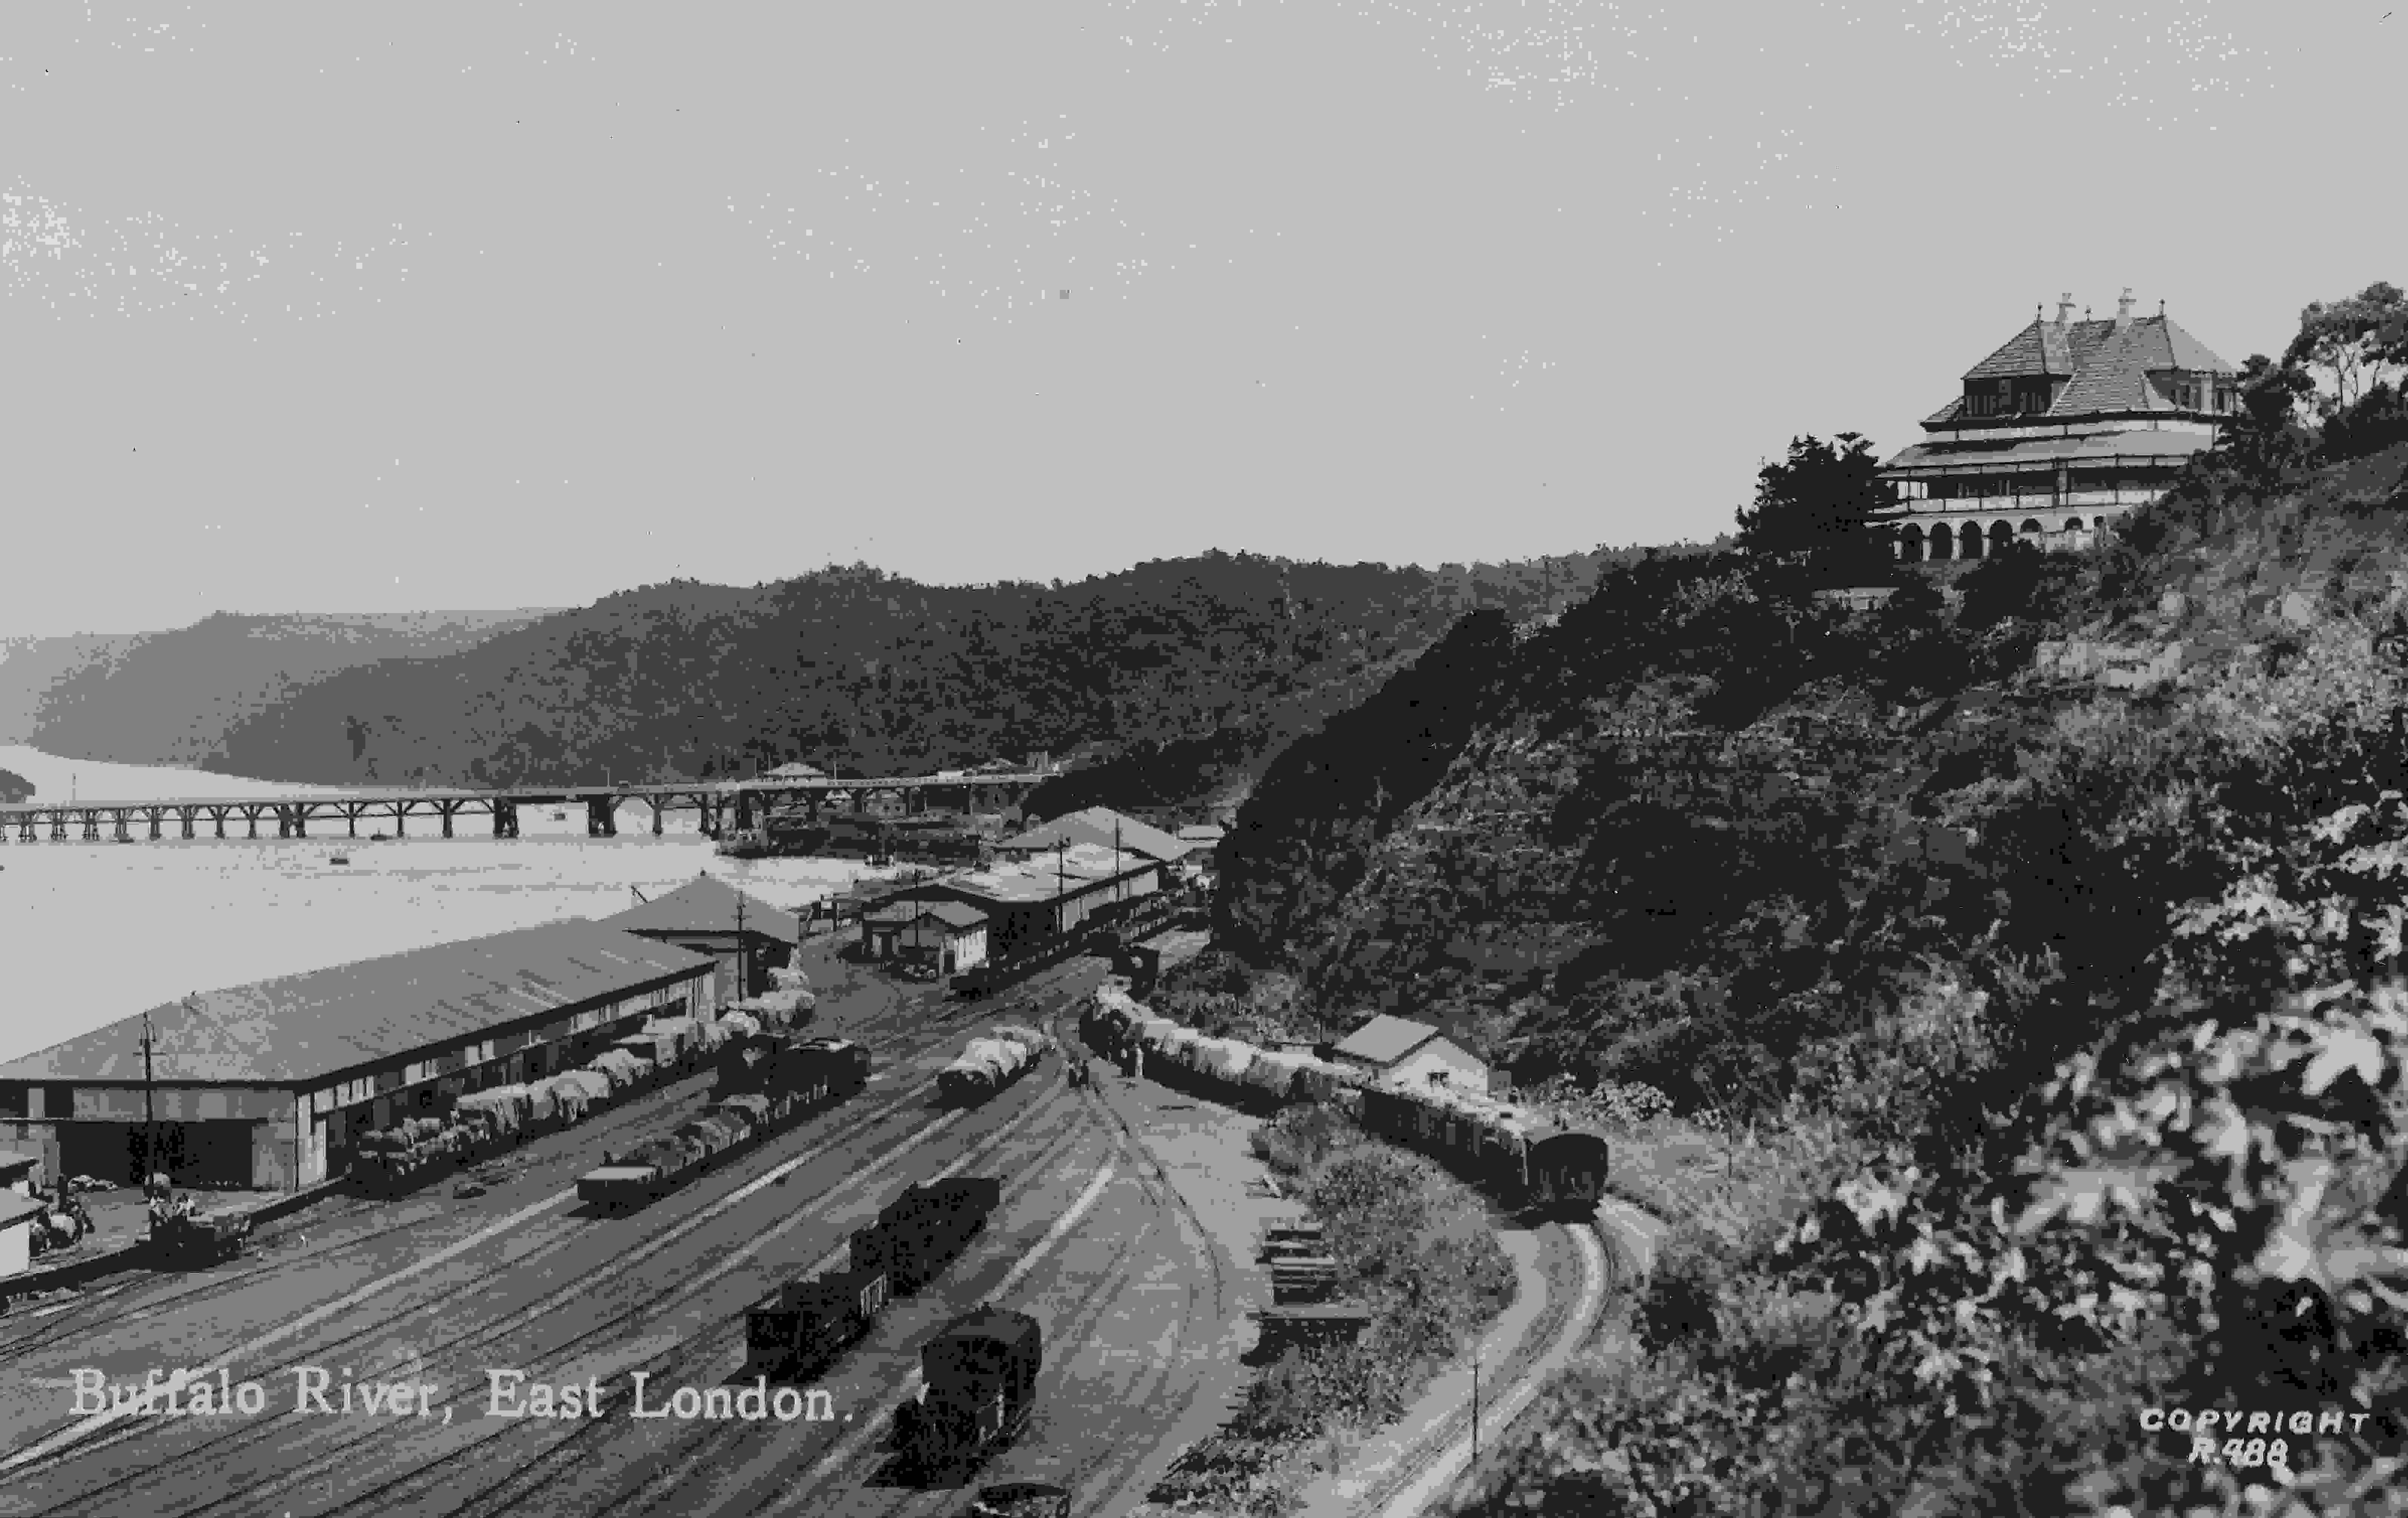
1273,1071
568,1096
739,1024
1030,1039
595,1086
622,1067
1232,1057
790,978
1157,1034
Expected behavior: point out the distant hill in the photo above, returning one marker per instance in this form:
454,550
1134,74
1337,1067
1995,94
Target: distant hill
862,671
170,697
29,667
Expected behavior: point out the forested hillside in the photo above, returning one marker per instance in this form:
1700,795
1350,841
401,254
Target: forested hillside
2021,969
171,697
30,667
1211,662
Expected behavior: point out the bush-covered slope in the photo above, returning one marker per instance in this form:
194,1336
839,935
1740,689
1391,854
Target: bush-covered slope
2039,952
872,674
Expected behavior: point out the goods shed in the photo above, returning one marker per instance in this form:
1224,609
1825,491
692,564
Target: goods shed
265,1085
1029,904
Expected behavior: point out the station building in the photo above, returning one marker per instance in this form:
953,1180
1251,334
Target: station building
267,1085
1026,902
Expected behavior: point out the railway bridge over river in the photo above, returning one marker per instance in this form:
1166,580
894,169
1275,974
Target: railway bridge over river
715,803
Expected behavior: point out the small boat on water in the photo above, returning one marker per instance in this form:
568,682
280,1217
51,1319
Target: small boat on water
338,859
559,816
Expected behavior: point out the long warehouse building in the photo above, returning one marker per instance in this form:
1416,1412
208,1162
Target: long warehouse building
267,1085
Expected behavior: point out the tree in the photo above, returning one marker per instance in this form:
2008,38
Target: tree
1818,504
2353,340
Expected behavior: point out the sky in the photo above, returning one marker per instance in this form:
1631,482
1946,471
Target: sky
377,308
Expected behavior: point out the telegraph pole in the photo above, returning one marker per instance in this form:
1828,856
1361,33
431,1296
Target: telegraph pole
743,962
150,1166
1475,1406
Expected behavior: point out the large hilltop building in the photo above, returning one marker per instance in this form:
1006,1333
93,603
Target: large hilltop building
2068,425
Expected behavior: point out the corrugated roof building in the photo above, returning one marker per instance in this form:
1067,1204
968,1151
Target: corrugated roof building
1095,826
2066,426
745,934
265,1085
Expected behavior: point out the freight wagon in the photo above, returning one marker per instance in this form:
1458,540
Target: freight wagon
919,1233
980,1385
764,1082
800,1329
989,1064
1520,1158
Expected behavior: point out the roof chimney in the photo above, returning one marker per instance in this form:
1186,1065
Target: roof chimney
2065,309
2124,310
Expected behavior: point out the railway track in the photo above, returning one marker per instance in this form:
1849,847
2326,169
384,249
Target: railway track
666,1227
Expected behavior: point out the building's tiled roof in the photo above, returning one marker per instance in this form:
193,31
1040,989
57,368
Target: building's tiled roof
299,1028
2039,348
1095,826
1385,1040
704,905
797,770
957,914
2106,367
1202,833
2084,448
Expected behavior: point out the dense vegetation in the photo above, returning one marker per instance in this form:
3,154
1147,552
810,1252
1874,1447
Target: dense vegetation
864,673
2021,971
15,787
1413,1245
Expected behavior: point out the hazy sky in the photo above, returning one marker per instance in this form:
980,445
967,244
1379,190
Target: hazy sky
380,307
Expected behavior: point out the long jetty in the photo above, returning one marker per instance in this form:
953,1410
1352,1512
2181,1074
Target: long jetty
29,822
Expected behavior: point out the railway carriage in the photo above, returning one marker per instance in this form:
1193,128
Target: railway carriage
1524,1160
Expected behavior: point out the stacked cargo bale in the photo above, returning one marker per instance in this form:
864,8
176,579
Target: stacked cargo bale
620,1068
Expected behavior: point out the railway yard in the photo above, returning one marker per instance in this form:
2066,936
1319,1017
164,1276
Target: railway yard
1135,1272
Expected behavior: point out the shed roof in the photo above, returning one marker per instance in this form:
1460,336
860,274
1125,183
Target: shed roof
705,904
297,1027
1202,833
796,770
15,1207
1385,1039
1041,878
10,1163
955,914
1095,826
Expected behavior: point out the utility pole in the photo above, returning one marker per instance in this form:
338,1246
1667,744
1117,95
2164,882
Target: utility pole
150,1110
1475,1406
743,963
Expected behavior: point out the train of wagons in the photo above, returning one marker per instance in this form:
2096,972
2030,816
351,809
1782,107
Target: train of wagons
764,1082
801,1328
463,1128
1518,1155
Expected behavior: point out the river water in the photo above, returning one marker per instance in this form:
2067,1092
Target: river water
93,932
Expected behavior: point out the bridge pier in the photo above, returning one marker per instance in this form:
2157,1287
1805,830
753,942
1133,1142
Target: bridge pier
188,814
90,825
506,819
352,818
601,817
400,819
447,809
656,815
157,813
